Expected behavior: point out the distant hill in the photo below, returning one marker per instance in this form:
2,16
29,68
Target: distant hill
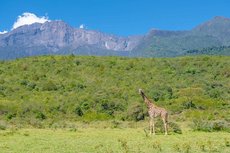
57,37
62,88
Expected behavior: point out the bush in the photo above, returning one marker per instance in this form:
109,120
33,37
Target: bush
109,107
3,126
161,92
36,123
173,127
210,126
79,111
40,115
49,86
9,116
188,105
135,112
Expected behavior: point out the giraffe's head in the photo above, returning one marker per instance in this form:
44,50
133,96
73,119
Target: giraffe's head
140,91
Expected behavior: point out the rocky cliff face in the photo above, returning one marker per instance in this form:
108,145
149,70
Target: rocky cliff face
57,36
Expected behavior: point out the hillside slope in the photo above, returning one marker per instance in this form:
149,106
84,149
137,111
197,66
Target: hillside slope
54,88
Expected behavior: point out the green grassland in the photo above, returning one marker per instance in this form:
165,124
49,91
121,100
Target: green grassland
108,140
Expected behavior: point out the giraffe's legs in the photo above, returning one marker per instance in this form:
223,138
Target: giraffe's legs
152,126
165,126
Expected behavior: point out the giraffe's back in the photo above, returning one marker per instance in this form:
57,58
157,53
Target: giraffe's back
157,111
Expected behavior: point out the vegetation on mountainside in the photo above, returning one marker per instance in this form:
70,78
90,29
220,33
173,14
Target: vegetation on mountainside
222,50
49,89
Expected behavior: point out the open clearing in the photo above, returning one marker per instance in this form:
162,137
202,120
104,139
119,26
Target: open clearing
109,140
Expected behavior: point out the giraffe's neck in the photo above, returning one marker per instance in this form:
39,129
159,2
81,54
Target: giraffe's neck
146,100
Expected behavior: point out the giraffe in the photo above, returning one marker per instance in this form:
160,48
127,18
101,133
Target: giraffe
155,111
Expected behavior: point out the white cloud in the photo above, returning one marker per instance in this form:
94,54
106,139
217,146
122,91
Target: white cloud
3,32
29,18
82,26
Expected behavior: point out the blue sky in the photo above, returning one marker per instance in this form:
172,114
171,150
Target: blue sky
120,17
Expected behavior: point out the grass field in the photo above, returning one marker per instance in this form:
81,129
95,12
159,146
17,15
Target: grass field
109,140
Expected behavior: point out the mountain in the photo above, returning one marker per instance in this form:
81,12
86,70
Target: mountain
213,33
57,37
218,27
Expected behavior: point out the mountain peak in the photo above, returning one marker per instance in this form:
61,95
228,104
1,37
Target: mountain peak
218,23
220,18
57,37
57,23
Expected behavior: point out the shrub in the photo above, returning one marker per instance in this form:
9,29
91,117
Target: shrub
24,82
200,125
92,116
214,93
188,105
2,88
40,115
3,126
210,126
77,62
191,70
80,86
31,85
9,116
85,106
161,92
135,112
109,107
49,86
173,127
79,111
35,123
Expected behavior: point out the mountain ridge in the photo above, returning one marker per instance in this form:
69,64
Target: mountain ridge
57,37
